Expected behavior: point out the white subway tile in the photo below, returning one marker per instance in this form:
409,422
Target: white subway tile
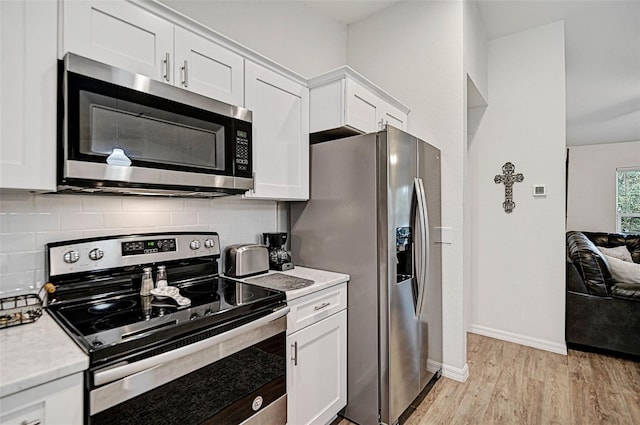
210,217
184,218
56,203
16,202
39,278
26,261
97,233
136,219
81,221
43,238
198,228
4,264
33,222
152,204
101,203
4,223
15,242
197,204
17,283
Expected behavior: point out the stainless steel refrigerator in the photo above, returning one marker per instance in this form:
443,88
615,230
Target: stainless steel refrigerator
374,213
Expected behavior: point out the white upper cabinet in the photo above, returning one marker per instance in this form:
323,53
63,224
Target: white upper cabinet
120,34
208,68
345,100
28,75
280,134
126,36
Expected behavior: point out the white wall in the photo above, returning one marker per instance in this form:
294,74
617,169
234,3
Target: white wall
518,268
28,222
414,51
591,200
287,32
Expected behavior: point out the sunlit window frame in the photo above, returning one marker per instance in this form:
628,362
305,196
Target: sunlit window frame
619,214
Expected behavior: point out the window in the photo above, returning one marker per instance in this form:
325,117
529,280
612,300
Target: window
628,200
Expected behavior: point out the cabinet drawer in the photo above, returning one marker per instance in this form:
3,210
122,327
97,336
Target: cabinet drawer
314,307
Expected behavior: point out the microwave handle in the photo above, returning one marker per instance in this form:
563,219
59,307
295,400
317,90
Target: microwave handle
167,67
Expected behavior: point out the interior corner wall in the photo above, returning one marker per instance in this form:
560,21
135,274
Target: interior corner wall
591,200
518,259
414,50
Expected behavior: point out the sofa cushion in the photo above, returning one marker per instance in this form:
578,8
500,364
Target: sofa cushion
610,240
619,252
590,263
629,291
623,271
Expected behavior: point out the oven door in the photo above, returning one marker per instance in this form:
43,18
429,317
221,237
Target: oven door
122,128
231,378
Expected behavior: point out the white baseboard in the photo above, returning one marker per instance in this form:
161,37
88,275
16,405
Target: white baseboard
456,373
554,347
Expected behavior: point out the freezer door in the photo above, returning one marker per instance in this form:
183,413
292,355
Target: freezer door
431,297
399,288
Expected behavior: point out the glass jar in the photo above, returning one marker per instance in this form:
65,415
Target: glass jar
161,279
147,282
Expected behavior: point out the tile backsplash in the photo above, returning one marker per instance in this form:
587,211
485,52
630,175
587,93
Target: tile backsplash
28,222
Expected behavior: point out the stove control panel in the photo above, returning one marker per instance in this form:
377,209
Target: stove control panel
78,256
150,246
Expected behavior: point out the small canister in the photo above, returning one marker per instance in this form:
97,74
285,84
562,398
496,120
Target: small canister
147,282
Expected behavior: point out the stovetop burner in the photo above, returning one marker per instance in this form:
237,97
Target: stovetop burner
112,306
126,317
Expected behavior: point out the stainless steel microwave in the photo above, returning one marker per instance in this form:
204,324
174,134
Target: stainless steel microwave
121,132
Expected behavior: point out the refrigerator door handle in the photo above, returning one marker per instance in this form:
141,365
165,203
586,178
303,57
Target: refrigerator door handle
423,215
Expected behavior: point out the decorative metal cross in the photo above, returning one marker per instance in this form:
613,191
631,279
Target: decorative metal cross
508,178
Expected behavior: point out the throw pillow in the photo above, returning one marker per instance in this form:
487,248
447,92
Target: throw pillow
623,271
619,252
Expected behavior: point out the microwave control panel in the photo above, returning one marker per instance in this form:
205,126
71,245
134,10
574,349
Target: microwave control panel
242,151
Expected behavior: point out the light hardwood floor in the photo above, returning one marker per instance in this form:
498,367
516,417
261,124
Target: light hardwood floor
512,384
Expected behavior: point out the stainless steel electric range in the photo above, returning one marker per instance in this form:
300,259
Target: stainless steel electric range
210,352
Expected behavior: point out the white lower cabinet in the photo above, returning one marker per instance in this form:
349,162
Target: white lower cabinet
58,402
317,368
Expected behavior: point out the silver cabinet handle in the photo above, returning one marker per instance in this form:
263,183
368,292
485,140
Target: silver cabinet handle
35,422
321,306
295,353
167,67
185,74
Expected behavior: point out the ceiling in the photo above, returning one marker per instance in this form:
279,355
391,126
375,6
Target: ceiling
602,42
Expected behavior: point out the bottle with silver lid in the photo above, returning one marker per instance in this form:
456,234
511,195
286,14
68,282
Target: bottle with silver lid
147,282
161,279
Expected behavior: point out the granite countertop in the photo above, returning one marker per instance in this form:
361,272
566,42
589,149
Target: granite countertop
297,282
37,353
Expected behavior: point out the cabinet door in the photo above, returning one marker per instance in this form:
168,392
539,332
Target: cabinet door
317,371
393,116
207,68
28,75
280,134
120,34
54,403
362,108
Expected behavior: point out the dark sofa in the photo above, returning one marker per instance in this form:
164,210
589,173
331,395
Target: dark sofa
601,313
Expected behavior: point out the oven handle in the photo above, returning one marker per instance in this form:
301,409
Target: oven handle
119,372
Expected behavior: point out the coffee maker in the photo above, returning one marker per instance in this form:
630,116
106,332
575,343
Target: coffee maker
279,258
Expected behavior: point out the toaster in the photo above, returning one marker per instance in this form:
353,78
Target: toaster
242,260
